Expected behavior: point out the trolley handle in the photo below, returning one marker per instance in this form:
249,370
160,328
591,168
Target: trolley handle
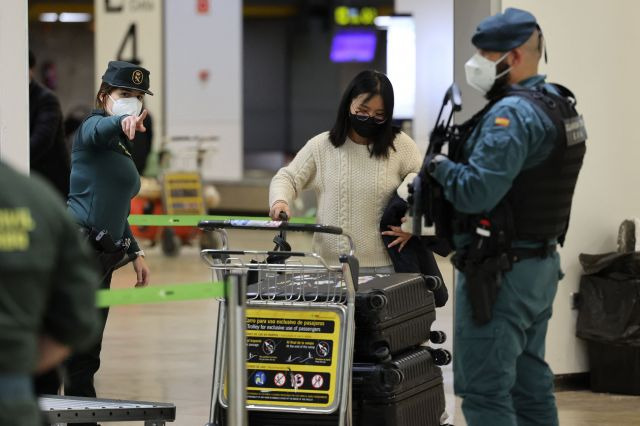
211,225
260,252
275,225
214,257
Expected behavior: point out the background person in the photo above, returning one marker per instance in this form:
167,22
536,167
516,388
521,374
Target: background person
142,145
48,153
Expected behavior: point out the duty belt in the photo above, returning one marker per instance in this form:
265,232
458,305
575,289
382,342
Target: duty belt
521,253
102,241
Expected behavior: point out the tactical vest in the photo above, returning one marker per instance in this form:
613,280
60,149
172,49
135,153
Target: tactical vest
540,198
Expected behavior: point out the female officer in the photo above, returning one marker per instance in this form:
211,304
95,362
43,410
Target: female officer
103,181
354,169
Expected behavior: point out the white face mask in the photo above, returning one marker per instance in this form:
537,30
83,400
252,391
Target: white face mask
126,106
481,72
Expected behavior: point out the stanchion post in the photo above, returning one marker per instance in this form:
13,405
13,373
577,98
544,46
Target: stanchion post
346,408
236,284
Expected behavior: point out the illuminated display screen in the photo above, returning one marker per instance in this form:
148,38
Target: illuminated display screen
401,62
353,46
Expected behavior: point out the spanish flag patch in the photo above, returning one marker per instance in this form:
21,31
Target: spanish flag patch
502,121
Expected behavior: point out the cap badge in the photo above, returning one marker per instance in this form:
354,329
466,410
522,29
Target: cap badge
137,77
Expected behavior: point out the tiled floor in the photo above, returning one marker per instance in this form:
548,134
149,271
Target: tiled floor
164,352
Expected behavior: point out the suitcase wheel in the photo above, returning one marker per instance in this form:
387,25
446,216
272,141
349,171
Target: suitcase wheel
437,337
392,377
377,301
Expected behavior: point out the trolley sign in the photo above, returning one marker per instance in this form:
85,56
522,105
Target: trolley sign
298,381
280,379
317,381
294,356
183,193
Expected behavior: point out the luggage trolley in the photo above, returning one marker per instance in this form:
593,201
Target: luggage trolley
299,329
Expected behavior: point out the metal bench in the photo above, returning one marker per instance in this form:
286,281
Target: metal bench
59,410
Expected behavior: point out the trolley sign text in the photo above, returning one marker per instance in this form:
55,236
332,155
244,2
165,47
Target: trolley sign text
292,356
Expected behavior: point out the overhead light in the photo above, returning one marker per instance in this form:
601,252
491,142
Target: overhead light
74,17
65,17
48,17
401,62
382,21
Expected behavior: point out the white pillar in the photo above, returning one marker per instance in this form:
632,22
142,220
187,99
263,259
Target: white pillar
132,31
434,59
607,93
467,15
14,85
203,56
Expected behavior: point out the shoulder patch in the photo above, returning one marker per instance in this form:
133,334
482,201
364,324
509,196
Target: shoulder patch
502,121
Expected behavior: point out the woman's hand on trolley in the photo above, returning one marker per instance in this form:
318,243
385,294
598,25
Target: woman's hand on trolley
279,207
402,238
132,124
142,271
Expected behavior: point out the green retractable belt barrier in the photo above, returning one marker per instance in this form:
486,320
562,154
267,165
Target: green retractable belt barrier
160,293
193,220
175,292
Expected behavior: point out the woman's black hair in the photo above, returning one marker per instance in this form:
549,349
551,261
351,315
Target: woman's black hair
101,97
372,83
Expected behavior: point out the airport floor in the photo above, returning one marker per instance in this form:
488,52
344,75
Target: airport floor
164,352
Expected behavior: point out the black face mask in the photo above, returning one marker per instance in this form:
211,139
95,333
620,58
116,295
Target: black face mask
366,129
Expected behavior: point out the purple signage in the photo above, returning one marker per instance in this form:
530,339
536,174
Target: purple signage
353,46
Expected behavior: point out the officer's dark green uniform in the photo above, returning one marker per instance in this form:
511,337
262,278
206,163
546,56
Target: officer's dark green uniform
103,175
47,287
499,367
104,179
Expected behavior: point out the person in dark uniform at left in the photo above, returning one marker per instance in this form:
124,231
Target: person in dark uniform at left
48,285
104,179
48,152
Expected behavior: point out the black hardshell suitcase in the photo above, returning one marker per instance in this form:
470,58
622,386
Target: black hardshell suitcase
268,418
393,312
405,391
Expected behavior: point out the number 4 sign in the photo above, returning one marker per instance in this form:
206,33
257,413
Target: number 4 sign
129,36
132,31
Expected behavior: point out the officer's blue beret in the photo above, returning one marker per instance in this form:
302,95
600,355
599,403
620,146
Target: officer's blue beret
127,76
504,31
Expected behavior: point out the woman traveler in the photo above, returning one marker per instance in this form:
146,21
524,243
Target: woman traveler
354,169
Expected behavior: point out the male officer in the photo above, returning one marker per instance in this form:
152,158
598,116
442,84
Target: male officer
47,291
47,149
511,187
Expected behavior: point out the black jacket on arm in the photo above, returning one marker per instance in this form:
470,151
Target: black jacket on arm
48,152
417,254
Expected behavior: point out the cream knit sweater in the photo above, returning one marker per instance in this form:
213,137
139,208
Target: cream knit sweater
352,189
